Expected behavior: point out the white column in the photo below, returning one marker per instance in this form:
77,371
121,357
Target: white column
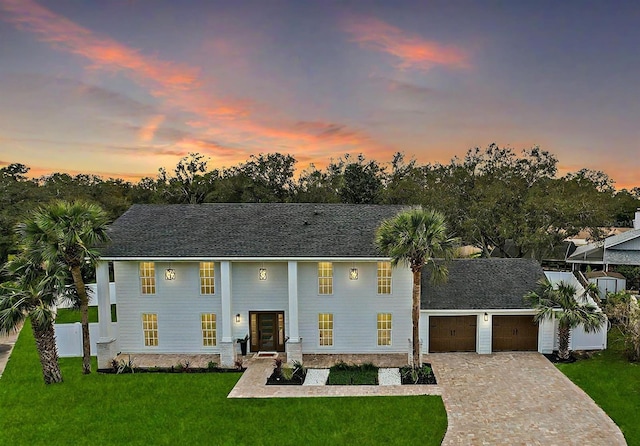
294,334
225,286
104,300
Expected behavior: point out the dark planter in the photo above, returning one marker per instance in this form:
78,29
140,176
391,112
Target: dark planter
243,346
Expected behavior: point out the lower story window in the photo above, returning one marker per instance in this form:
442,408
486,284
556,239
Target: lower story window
384,328
208,329
325,329
150,329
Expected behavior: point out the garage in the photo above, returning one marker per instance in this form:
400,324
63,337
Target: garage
452,334
514,333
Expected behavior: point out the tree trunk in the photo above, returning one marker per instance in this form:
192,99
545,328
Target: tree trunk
563,341
84,312
415,316
48,352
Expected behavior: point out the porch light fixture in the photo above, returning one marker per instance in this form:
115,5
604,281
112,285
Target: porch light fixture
486,317
262,273
353,274
238,318
170,274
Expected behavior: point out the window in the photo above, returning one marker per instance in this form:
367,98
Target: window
208,329
207,278
147,278
325,329
384,328
325,278
384,277
150,329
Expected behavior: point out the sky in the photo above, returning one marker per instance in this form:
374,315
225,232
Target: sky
119,88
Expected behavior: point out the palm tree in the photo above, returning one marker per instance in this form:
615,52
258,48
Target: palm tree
68,233
416,237
562,302
32,292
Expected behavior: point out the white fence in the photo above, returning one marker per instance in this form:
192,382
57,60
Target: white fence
93,295
69,338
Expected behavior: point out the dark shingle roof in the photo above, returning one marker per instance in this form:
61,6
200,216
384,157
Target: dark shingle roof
248,230
482,284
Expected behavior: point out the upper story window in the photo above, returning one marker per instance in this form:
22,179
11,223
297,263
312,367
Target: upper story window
207,278
147,278
384,277
325,278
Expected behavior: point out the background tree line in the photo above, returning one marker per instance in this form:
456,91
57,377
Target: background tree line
506,203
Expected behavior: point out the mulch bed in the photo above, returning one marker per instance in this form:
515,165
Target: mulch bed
278,380
172,369
554,358
422,378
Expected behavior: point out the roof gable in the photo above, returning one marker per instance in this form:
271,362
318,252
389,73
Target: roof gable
248,230
482,284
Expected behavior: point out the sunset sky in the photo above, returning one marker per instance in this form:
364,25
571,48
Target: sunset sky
120,88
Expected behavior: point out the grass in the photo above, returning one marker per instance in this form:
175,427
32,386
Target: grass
614,384
343,375
69,316
193,409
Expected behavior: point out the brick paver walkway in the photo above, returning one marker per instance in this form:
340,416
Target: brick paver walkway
517,398
252,385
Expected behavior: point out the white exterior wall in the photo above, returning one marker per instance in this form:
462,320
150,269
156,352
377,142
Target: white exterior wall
177,303
354,305
251,294
581,340
546,336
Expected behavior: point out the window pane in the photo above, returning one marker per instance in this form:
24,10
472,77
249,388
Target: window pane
325,278
150,329
325,329
208,329
207,278
384,277
147,278
384,328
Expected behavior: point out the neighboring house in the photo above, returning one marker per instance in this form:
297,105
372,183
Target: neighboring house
300,278
620,249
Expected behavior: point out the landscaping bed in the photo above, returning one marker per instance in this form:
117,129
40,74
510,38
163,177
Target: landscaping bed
123,367
423,375
343,374
287,375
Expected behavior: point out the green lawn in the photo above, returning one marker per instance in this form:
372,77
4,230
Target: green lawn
193,409
69,316
614,384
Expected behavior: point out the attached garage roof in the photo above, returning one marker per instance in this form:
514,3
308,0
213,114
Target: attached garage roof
248,230
478,284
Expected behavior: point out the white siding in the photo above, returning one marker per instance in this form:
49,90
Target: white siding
354,305
252,294
177,303
581,340
484,333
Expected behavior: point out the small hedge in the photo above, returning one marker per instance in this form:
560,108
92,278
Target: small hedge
343,374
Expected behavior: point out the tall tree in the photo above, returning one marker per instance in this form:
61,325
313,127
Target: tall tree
32,292
68,233
562,302
417,237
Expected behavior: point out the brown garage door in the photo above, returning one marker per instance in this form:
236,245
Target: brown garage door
452,334
514,333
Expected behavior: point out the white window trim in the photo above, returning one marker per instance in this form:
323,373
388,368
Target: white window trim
390,280
214,279
390,330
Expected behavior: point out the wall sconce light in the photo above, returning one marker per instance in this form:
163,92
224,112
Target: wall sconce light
238,318
486,317
353,274
170,274
262,274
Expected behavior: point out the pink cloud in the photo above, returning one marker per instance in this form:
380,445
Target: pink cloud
411,50
103,52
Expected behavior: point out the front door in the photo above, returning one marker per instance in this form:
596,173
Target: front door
267,330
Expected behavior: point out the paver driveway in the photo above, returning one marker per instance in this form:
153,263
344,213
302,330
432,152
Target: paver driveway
517,399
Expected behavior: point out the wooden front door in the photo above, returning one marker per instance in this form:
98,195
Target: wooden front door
514,333
452,333
267,330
